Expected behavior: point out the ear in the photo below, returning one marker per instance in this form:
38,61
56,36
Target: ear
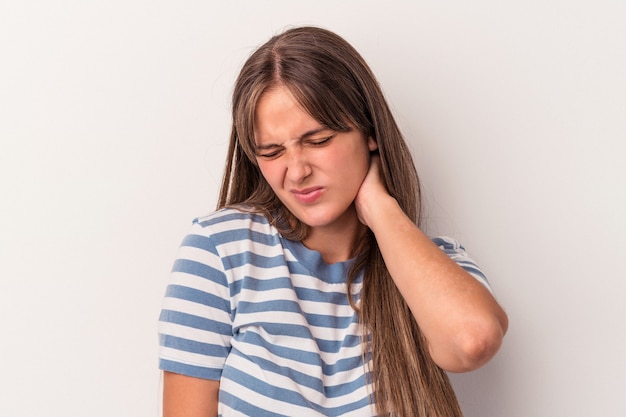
372,144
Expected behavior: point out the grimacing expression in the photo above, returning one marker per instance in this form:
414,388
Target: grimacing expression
316,172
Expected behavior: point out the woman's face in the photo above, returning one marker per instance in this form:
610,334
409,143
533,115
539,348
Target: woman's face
316,172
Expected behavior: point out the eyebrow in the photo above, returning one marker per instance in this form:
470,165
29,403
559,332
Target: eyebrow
305,135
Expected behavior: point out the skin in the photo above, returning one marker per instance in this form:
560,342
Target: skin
331,182
185,396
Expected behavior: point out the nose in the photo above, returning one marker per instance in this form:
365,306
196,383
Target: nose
298,167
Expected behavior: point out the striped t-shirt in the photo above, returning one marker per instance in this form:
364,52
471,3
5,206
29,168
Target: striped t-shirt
269,319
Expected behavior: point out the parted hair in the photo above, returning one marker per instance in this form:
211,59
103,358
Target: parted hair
332,83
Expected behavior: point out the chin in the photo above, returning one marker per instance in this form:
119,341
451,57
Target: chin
315,221
320,219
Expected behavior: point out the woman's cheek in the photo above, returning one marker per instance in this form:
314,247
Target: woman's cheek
267,172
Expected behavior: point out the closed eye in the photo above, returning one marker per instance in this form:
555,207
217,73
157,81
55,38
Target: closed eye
321,141
270,153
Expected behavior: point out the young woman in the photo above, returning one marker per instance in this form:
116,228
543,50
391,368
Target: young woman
312,290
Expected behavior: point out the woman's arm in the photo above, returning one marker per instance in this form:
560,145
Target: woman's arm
462,322
185,396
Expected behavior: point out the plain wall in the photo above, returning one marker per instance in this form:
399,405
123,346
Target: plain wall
114,121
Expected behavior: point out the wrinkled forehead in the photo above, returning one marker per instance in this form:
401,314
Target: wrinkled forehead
321,106
280,117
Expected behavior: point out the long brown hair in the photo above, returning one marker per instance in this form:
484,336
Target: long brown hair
332,82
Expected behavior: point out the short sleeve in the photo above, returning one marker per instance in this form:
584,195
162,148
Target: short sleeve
195,321
457,253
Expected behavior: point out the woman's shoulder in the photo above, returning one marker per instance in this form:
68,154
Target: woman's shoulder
448,244
237,226
235,217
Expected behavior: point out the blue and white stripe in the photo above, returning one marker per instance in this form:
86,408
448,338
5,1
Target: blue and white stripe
269,319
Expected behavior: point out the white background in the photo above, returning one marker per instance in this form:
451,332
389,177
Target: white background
113,126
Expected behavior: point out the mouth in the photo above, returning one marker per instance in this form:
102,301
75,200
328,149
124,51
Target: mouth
308,195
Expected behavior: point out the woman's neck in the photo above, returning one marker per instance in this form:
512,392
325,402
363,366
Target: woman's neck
335,242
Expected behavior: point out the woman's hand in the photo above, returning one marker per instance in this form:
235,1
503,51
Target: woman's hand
371,193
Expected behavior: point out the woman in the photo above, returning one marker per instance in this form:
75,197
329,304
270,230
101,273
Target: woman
312,291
